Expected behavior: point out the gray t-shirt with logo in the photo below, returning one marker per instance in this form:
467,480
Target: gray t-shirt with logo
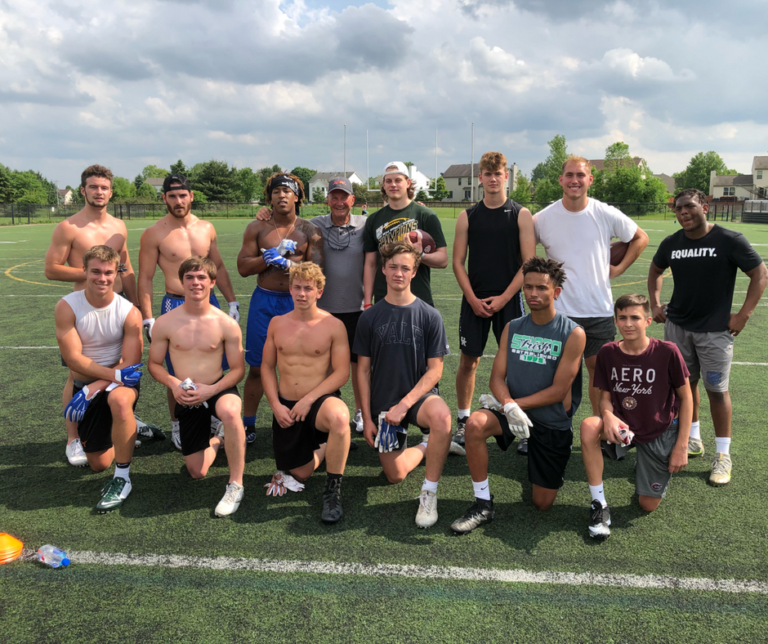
344,259
533,356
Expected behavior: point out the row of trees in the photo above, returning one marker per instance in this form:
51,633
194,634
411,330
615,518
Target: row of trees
25,187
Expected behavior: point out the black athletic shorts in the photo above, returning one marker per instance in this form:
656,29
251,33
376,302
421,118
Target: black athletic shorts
64,364
350,323
599,331
295,446
473,330
548,452
195,422
410,418
95,430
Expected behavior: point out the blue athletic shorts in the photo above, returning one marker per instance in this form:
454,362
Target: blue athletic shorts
264,306
172,301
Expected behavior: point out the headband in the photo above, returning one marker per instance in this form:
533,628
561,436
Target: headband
285,180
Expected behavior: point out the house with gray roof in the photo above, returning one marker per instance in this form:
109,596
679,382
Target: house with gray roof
459,179
321,180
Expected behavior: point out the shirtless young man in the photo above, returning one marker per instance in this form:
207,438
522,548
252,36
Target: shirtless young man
309,347
198,336
89,227
167,244
269,249
99,335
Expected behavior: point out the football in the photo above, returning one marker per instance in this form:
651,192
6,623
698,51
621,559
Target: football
618,250
427,242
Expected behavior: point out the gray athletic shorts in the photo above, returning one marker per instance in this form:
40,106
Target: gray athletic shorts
599,331
705,354
652,465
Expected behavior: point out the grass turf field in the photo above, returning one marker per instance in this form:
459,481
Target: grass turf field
697,532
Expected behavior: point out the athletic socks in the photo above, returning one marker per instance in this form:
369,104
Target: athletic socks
723,445
463,413
429,486
122,470
330,478
695,430
249,420
482,490
598,494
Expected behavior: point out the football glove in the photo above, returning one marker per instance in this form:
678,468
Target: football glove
489,402
76,408
234,311
148,324
286,247
386,438
518,420
273,258
129,376
281,483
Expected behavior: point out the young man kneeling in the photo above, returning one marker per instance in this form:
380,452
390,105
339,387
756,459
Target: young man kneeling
310,349
645,402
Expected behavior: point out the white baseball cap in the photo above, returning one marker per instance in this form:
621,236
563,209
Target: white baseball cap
401,168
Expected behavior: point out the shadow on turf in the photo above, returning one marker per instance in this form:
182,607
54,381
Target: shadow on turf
52,453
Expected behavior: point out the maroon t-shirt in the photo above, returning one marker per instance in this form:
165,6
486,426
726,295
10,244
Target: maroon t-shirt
642,387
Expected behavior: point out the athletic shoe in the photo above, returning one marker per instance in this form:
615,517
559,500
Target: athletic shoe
250,434
332,510
599,521
75,454
358,420
461,424
230,501
695,447
176,438
219,430
136,444
148,431
426,516
721,470
114,492
480,512
214,425
522,446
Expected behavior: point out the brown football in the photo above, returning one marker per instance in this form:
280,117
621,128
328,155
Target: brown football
618,250
427,242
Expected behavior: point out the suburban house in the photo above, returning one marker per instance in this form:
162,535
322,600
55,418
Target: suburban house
65,196
738,187
321,179
419,180
156,183
459,179
668,181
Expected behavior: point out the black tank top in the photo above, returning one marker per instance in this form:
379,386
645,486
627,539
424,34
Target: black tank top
494,247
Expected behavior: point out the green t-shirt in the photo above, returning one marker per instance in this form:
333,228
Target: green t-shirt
387,226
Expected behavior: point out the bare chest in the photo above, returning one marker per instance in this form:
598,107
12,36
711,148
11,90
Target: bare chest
199,336
180,244
303,342
90,236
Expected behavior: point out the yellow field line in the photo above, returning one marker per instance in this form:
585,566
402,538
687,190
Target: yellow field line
19,279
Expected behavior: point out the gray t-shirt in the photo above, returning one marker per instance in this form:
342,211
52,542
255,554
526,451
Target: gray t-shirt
533,356
399,340
344,259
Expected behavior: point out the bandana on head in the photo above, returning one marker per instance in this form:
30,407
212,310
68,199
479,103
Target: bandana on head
285,180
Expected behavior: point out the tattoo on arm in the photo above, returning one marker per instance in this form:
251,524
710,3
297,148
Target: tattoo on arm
314,244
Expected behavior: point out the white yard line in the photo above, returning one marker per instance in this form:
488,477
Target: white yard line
700,584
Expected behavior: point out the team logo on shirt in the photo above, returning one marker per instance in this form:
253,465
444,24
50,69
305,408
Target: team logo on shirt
656,487
534,349
394,231
629,403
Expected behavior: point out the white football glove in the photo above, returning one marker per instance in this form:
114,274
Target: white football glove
281,483
518,420
286,247
148,324
489,402
188,385
234,311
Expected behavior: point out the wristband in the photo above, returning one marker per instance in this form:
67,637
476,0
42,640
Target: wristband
367,306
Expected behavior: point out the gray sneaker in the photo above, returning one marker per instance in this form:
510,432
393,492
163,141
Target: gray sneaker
230,501
721,470
457,440
695,447
426,516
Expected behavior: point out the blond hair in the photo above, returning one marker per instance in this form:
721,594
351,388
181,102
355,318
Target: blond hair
493,161
388,251
197,263
307,271
102,253
575,158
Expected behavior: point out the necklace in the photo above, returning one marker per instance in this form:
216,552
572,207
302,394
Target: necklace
277,230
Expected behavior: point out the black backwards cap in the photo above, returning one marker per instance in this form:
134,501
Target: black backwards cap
285,180
176,182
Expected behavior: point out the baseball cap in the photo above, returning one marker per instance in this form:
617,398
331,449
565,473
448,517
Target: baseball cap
401,169
178,181
340,183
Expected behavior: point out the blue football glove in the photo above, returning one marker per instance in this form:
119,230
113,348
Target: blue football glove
386,438
76,408
129,376
272,257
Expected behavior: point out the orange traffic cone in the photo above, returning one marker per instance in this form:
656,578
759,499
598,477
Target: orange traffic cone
10,547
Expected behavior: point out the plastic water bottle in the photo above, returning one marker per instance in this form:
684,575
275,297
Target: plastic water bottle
52,556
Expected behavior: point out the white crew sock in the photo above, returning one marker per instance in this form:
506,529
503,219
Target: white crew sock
598,494
429,486
123,471
482,490
464,413
723,445
695,430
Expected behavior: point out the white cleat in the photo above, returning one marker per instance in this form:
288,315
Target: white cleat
75,454
426,516
176,438
230,501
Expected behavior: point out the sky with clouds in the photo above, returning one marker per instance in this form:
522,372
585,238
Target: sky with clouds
127,83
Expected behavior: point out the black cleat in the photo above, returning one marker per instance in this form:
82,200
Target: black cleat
479,513
522,446
599,521
332,510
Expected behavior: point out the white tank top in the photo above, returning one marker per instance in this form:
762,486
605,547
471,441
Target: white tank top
100,330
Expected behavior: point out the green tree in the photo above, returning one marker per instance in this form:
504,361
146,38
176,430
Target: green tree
616,154
441,191
122,189
77,196
318,196
539,172
522,192
546,184
699,169
5,184
266,173
146,193
361,193
153,172
249,186
138,181
215,179
27,188
179,168
305,174
422,196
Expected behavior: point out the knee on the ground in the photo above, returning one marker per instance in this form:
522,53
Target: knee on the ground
196,472
649,503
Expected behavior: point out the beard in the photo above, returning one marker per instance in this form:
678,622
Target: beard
181,213
94,204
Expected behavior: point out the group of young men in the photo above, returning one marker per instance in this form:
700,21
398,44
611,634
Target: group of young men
345,295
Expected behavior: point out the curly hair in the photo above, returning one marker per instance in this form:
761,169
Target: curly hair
307,271
96,171
537,264
388,251
493,161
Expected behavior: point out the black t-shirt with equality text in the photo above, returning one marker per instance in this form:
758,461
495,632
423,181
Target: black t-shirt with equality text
704,272
399,340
